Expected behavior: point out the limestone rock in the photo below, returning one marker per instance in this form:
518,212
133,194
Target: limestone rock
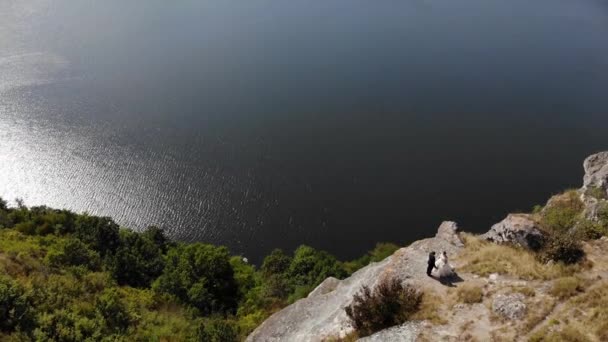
321,315
325,287
596,171
407,332
510,306
518,229
448,231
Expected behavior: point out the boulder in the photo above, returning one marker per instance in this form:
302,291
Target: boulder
518,229
448,231
596,171
510,306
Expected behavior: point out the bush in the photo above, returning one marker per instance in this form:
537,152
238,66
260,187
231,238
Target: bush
101,233
563,247
590,230
566,287
137,262
113,310
391,303
596,192
15,310
74,253
217,330
469,294
200,275
309,267
562,212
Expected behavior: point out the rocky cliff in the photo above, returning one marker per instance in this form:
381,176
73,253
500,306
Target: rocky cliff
514,288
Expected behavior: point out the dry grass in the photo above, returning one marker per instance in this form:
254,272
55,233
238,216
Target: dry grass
568,333
566,287
594,304
537,312
352,337
583,318
484,258
469,294
525,290
430,309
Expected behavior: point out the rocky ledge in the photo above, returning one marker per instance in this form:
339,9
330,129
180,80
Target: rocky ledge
321,315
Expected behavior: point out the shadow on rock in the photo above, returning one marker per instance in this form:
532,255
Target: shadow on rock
449,281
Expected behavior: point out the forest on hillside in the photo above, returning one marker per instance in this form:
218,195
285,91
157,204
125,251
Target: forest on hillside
76,277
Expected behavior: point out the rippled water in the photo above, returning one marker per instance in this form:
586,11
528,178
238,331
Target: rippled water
270,124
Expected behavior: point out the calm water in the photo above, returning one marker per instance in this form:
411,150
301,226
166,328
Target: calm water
262,124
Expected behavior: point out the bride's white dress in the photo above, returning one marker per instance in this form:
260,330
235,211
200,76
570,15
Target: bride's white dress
444,269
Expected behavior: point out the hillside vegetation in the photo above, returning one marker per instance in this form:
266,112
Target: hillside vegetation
76,277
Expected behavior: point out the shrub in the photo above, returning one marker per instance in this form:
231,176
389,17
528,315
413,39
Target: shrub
217,330
591,230
390,303
137,262
277,262
525,290
274,272
101,233
309,267
113,310
200,275
566,287
15,310
596,192
469,294
562,212
563,247
74,253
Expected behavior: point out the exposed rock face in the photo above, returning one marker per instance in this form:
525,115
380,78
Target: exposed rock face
595,184
596,171
518,229
510,306
326,286
448,231
321,315
407,332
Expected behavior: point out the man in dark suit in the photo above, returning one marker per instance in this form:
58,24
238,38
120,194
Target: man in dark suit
431,264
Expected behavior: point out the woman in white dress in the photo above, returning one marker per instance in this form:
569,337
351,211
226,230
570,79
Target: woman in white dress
444,269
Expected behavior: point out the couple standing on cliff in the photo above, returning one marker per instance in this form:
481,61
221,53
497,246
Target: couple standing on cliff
444,269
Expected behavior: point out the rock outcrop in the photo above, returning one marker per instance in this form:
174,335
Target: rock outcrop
510,306
518,229
596,171
321,315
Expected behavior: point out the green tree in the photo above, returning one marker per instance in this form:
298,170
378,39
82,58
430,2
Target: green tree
200,275
274,270
157,235
137,262
113,310
101,233
310,267
74,253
